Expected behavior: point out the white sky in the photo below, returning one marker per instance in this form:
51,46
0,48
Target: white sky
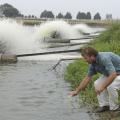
35,7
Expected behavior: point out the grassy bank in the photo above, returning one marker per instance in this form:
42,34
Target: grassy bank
109,40
102,23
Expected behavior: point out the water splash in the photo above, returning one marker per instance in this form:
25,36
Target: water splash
57,29
83,28
15,38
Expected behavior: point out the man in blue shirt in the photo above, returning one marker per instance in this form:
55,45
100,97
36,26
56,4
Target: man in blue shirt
107,86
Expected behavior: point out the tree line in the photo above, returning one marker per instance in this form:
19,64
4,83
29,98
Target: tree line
9,11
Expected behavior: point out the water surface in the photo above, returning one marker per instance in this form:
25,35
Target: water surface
30,91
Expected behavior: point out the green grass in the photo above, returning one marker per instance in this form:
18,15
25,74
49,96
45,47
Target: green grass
105,23
109,40
31,22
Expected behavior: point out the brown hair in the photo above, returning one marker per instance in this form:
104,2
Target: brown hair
89,51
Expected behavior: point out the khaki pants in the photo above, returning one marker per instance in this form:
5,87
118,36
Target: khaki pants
110,95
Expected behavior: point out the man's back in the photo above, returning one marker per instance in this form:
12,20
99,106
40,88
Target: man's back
106,63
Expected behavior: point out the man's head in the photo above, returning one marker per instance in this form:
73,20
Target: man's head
89,54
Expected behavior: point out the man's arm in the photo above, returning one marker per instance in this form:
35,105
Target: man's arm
82,85
106,83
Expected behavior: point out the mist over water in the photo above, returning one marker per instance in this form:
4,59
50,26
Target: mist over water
83,28
62,29
16,38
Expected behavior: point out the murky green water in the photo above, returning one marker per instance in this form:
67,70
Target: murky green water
29,91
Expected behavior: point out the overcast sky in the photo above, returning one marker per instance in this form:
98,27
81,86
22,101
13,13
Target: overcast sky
35,7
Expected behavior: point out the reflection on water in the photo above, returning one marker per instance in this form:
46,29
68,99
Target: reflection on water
29,91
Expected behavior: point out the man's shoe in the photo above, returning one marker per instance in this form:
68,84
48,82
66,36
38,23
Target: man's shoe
102,109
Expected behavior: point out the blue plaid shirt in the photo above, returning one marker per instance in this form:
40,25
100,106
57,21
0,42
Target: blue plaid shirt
106,63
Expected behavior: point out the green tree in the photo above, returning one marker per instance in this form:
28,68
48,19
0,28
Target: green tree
97,16
78,16
50,14
43,14
68,16
60,15
9,11
81,15
88,16
47,14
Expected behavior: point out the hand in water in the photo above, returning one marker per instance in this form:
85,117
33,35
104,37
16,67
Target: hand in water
73,93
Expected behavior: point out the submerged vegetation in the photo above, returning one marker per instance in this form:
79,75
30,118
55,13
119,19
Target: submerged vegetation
109,40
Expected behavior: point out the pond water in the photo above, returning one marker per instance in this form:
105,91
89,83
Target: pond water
29,90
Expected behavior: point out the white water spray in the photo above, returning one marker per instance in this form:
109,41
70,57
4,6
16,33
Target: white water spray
62,30
16,38
83,28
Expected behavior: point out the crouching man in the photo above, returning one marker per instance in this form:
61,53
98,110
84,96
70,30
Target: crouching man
107,86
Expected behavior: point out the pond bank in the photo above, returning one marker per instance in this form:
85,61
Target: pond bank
109,40
100,23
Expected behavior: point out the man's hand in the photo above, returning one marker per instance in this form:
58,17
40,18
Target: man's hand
106,83
99,90
73,93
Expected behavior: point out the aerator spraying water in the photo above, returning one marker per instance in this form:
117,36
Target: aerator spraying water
16,38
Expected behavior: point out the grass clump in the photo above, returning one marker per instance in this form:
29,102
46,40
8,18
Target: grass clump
109,40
